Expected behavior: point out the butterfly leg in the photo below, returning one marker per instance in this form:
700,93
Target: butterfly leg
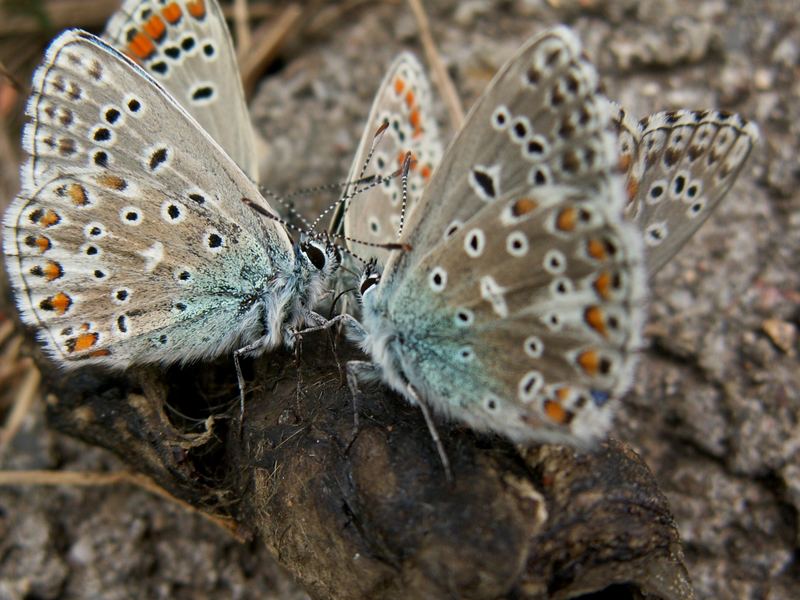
328,323
354,369
237,354
319,319
412,393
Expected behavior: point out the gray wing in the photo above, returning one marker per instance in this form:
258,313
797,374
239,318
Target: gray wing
679,166
540,122
520,306
186,46
136,199
527,321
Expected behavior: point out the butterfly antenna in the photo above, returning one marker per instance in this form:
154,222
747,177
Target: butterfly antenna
403,171
284,201
265,213
328,187
317,236
387,246
370,182
376,139
406,167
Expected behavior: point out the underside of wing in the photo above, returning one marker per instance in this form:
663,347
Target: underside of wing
185,45
541,122
123,192
403,106
684,164
101,291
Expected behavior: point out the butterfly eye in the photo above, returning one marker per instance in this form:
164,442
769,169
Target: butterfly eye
314,254
369,282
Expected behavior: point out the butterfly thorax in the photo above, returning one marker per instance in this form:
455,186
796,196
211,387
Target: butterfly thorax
380,338
402,346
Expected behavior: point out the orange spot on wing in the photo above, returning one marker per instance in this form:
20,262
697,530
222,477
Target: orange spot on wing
197,8
101,352
141,46
625,161
49,219
426,172
155,28
557,413
632,187
410,99
594,318
52,270
58,303
399,86
589,360
523,206
562,393
61,302
567,219
172,13
84,341
43,243
602,284
596,249
416,122
113,182
77,194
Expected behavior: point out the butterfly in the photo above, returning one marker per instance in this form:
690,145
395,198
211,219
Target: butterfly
131,240
518,307
370,215
402,106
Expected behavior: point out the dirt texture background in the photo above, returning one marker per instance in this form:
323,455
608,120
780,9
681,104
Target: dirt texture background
715,410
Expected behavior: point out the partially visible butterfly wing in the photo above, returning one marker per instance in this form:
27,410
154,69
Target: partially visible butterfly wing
404,102
682,163
520,305
628,143
123,155
185,45
537,124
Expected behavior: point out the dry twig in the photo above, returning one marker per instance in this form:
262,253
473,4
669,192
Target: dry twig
268,39
241,25
440,76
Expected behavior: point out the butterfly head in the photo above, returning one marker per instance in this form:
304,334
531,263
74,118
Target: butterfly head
322,257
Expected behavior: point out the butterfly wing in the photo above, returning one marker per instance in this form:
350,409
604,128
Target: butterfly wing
403,101
629,137
537,124
185,45
679,165
518,309
122,158
526,321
